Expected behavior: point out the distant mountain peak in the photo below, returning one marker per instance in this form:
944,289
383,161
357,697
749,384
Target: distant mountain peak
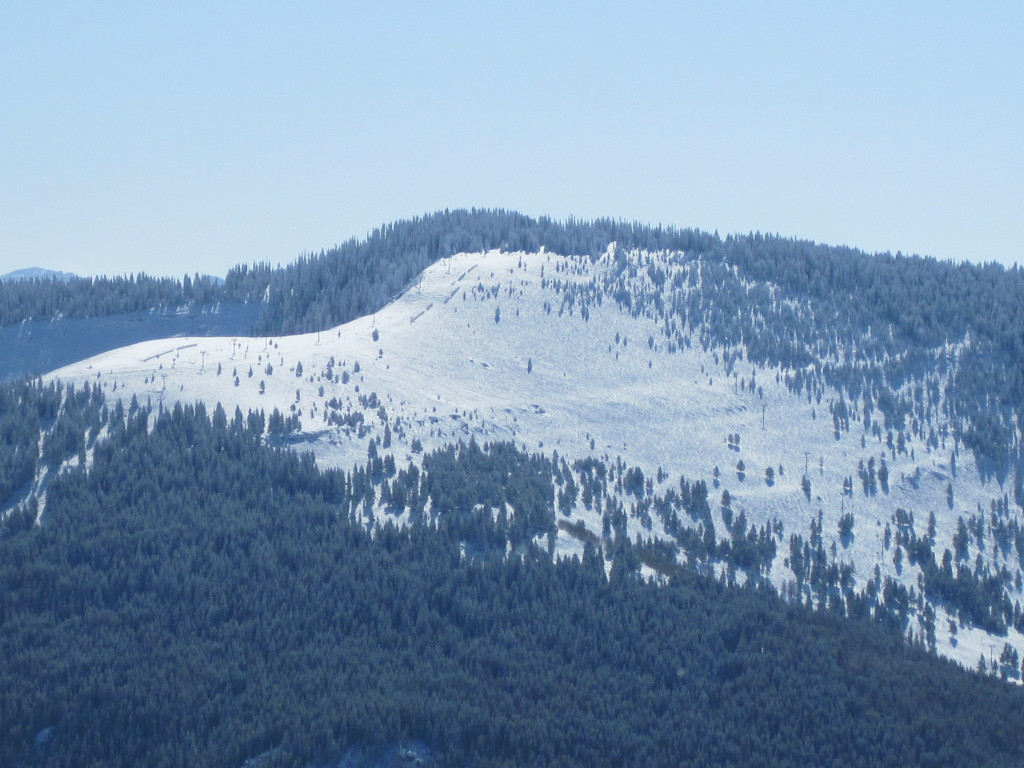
38,273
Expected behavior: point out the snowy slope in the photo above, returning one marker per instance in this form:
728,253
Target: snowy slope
485,346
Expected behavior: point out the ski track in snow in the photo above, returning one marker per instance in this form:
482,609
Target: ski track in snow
449,370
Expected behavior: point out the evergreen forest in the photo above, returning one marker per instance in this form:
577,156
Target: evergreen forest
191,596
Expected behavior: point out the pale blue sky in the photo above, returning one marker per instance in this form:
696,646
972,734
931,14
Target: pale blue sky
190,137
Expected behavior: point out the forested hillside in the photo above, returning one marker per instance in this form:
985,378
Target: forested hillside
194,597
84,297
316,292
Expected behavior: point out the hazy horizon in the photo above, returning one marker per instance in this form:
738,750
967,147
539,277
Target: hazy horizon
174,140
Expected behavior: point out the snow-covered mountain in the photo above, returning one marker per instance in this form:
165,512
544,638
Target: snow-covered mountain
528,347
